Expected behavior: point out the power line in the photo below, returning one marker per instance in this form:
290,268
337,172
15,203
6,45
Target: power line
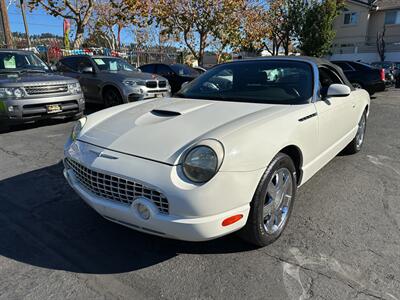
37,24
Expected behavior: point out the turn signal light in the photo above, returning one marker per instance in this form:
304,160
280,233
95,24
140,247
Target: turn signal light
232,220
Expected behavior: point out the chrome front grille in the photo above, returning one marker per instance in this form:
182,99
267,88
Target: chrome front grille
151,84
46,89
162,84
116,188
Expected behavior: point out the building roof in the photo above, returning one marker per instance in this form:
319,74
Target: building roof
367,3
378,4
387,4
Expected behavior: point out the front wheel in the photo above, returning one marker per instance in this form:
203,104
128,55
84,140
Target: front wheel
4,126
356,144
112,97
357,85
272,203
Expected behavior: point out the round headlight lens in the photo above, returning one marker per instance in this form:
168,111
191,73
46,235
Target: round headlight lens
74,88
18,93
9,91
200,164
78,128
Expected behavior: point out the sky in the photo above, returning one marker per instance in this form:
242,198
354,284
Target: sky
41,22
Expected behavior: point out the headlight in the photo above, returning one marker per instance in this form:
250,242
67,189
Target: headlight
74,88
12,93
77,128
134,82
202,162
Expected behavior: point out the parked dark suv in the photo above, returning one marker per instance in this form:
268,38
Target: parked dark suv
29,91
363,76
177,74
112,80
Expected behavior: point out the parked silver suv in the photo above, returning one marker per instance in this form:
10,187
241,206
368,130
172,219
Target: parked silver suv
112,80
29,91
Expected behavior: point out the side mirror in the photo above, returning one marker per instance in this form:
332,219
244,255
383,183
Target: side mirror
338,90
88,70
53,68
184,84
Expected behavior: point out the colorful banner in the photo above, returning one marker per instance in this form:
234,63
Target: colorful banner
67,28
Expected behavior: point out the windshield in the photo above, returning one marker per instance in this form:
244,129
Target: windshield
15,62
113,64
269,81
183,70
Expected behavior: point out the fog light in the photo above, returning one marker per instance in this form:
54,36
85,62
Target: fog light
11,108
143,211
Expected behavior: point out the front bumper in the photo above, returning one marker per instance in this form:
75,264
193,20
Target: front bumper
377,86
195,212
26,109
130,95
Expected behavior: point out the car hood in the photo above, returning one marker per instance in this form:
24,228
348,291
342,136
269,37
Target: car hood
16,79
122,75
162,129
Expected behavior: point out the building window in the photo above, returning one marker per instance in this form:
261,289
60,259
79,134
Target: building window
392,17
350,18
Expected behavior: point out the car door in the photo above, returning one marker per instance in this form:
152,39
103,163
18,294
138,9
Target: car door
68,66
349,71
148,69
90,82
335,114
173,79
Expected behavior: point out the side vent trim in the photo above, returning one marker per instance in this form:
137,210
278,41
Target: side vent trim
307,117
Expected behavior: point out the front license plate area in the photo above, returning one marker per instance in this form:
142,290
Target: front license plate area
53,108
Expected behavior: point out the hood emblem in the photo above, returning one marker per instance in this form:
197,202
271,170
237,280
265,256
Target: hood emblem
103,155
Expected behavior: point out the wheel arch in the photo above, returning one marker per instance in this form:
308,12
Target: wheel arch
108,86
296,155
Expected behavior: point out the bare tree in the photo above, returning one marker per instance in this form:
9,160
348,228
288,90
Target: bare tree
78,11
381,44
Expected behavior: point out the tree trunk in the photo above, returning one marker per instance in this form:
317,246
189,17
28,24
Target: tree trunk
78,36
202,48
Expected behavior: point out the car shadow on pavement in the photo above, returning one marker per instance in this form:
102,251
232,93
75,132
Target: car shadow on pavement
45,224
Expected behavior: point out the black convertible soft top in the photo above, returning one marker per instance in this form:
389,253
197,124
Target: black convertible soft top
319,62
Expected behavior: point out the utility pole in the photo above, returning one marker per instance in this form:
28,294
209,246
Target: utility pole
6,37
28,40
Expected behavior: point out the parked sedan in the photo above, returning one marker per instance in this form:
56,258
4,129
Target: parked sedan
177,74
111,80
221,156
363,76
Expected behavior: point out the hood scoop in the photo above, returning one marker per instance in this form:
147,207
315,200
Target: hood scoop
165,113
156,116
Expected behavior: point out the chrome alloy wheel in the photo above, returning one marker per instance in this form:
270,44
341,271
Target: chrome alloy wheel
277,202
360,132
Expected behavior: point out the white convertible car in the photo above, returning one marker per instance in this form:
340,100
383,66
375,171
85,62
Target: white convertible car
227,153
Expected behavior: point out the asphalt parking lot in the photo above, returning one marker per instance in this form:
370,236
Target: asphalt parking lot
342,242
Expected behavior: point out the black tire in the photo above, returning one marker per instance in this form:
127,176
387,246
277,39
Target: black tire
356,144
4,126
357,85
111,97
255,230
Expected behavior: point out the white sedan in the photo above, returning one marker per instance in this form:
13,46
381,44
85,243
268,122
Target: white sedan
226,154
